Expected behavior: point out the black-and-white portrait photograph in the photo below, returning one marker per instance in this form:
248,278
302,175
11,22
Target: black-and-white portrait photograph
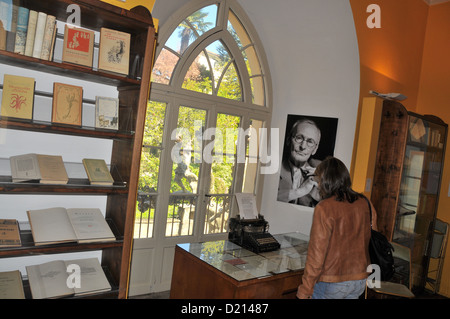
308,141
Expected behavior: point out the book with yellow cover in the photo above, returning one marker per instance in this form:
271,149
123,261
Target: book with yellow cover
18,96
97,171
114,51
78,46
9,233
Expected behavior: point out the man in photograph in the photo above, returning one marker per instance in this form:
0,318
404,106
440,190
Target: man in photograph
297,184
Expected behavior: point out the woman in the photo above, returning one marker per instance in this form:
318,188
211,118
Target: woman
338,256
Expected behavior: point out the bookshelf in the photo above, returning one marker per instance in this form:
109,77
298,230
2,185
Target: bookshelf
132,91
406,182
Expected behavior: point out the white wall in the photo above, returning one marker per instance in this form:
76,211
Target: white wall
312,51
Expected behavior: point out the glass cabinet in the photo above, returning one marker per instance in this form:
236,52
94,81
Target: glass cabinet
407,180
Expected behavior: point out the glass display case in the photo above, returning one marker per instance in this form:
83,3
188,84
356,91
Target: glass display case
407,180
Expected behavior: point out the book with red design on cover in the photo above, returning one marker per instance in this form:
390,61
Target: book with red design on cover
78,47
17,96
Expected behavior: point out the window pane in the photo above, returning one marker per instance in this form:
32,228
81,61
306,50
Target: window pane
149,170
191,28
230,85
154,124
199,76
180,215
186,157
252,157
181,38
219,58
186,154
222,173
204,19
251,61
257,90
164,66
217,214
237,30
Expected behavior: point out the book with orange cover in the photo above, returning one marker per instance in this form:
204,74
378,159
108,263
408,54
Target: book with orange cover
67,104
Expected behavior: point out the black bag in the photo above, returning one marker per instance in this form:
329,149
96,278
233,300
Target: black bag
380,251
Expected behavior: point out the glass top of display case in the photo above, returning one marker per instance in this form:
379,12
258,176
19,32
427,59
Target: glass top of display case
242,264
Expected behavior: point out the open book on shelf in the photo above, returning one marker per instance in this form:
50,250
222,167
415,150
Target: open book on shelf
59,278
47,169
59,225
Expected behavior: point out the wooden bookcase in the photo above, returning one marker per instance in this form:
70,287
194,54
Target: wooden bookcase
406,182
133,92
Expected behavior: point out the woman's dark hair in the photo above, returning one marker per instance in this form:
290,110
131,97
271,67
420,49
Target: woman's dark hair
334,180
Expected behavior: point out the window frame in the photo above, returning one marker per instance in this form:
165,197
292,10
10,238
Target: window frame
174,96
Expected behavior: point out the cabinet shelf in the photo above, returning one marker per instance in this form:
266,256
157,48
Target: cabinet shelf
109,294
28,247
65,69
78,183
124,153
47,127
409,178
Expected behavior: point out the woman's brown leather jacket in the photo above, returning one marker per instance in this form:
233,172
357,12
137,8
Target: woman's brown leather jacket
338,246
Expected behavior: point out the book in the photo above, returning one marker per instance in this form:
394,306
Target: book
97,172
57,279
39,35
18,96
114,51
11,286
47,169
6,11
2,36
21,30
47,40
11,32
9,233
78,47
60,225
67,104
31,31
106,112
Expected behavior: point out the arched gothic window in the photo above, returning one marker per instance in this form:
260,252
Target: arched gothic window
210,85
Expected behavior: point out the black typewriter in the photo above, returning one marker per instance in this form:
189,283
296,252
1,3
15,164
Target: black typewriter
252,234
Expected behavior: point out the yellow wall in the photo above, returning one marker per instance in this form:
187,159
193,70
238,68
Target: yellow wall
367,141
434,98
128,4
409,54
390,56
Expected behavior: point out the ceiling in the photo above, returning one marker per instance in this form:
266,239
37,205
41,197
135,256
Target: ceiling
432,2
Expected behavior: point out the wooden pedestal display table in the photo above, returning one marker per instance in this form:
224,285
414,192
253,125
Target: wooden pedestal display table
224,270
